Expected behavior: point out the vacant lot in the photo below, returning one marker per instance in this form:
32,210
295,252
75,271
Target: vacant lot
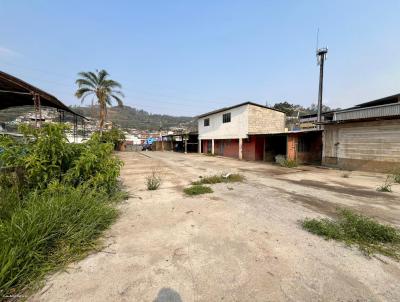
241,243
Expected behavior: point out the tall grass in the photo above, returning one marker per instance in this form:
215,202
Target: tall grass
49,230
55,211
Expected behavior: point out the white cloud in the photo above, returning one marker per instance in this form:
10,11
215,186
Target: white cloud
6,52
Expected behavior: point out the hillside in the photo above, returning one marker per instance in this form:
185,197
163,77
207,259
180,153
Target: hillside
128,117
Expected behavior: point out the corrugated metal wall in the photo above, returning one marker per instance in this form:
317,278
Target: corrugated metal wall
377,111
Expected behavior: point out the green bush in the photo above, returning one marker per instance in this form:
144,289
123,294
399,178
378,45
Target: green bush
55,209
52,228
95,165
197,190
46,156
114,136
287,163
352,228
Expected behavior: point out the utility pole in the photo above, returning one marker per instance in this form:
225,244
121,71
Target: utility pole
161,137
321,57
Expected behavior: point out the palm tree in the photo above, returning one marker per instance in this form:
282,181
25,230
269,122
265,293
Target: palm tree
104,89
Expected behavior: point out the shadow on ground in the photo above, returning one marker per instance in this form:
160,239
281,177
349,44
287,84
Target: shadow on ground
167,295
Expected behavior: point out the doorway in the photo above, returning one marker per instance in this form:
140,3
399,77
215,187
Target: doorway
275,145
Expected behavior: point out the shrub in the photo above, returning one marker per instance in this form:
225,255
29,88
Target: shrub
369,235
197,190
153,181
345,175
384,188
287,163
61,206
114,136
46,156
44,153
219,179
53,228
396,175
95,166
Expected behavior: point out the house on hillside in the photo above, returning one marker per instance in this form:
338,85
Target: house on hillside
237,131
364,137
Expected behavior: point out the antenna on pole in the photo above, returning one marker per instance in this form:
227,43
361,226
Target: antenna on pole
321,57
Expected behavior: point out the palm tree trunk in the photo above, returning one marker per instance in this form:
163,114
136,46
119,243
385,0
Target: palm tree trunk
102,117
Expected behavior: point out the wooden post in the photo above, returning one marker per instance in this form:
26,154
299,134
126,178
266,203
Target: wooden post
185,138
40,110
36,105
75,127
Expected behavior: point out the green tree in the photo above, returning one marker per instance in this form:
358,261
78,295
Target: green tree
286,107
104,89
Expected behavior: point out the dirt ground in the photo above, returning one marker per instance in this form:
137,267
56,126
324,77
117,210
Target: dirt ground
241,243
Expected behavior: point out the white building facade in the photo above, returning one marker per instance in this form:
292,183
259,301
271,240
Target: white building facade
226,128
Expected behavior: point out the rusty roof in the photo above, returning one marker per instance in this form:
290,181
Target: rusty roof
15,92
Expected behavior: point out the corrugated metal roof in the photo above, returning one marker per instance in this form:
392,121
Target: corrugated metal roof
368,112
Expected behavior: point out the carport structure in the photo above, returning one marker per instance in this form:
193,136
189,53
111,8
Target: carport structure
15,92
186,142
303,146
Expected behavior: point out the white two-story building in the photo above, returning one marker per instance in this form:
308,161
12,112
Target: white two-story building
236,131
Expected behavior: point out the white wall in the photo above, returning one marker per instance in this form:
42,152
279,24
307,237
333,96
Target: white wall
237,128
133,138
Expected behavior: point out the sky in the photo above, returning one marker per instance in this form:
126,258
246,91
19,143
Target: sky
189,57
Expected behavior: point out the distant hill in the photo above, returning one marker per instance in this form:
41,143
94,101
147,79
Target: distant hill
128,117
9,114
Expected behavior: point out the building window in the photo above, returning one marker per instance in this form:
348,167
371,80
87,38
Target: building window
206,122
226,117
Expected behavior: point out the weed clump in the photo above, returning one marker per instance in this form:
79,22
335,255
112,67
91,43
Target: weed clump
345,175
396,175
47,230
370,236
197,190
287,163
386,186
153,181
215,179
